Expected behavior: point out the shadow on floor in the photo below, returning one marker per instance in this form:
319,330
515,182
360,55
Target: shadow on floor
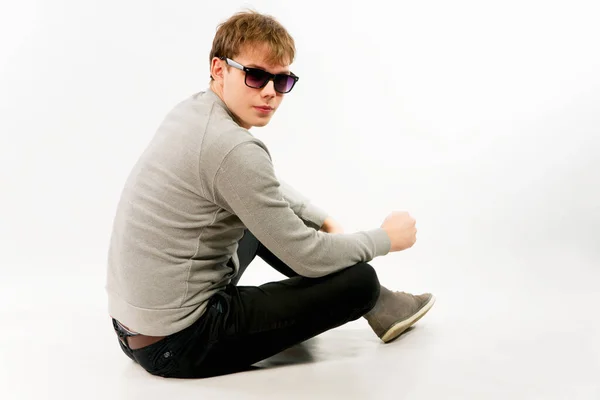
333,345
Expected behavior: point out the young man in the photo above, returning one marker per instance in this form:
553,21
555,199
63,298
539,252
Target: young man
203,200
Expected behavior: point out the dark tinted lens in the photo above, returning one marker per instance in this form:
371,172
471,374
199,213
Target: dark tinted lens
256,78
284,83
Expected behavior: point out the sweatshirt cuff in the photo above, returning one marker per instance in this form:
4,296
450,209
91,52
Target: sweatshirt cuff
382,241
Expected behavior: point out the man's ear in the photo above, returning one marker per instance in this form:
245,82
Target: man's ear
216,69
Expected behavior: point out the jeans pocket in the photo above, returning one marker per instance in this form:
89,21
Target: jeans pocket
157,358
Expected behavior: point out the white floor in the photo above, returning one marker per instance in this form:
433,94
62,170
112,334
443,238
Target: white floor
525,329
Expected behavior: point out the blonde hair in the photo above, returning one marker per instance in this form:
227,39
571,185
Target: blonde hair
253,28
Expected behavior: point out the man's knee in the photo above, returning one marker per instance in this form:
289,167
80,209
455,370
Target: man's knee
364,284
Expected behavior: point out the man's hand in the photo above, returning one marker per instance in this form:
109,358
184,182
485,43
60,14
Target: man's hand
402,230
331,226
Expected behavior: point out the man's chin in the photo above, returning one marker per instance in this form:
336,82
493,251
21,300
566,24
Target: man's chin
261,122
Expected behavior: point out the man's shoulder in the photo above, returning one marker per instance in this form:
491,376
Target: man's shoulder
217,133
225,141
205,117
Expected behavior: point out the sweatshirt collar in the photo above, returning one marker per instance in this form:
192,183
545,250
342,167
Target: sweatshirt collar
215,98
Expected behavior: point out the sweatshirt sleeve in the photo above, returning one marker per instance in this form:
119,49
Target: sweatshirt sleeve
246,184
302,206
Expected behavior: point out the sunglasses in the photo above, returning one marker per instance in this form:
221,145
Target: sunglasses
257,78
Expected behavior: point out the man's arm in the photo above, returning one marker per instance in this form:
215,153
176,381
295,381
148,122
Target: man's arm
245,183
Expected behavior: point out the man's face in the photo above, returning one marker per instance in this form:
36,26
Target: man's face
252,107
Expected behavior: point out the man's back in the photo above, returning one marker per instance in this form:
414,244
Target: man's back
171,244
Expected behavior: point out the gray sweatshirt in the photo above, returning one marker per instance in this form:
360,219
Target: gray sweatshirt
201,181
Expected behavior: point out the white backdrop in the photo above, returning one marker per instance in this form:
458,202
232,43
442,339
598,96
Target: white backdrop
482,119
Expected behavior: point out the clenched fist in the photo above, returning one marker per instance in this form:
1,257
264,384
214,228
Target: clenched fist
401,228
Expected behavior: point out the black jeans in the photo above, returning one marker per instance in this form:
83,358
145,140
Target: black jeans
244,325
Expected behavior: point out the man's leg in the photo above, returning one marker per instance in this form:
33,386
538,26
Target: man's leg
249,247
244,325
393,313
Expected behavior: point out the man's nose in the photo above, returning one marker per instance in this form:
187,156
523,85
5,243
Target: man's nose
269,89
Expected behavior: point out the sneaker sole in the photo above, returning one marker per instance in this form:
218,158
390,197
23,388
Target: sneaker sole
401,326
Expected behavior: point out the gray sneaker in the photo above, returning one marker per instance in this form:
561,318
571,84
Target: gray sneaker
395,312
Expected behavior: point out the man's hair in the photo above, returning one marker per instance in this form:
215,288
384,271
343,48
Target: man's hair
253,28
